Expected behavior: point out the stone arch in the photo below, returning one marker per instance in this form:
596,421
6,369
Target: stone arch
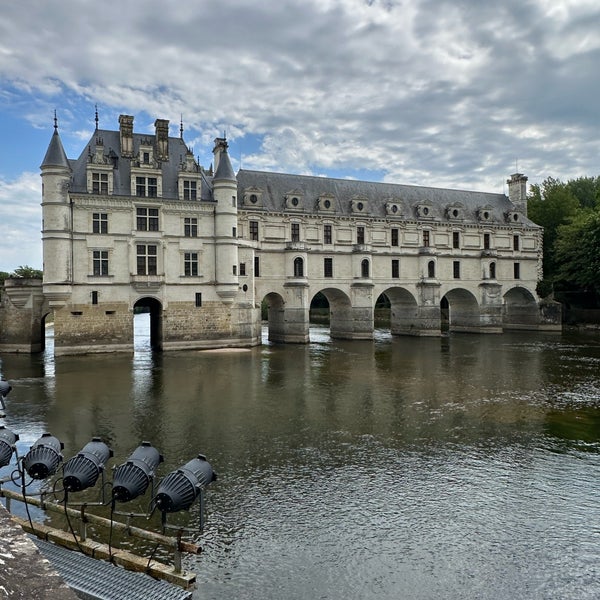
274,305
155,309
520,309
463,310
404,310
341,323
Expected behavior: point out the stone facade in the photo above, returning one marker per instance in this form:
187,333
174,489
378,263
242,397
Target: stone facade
136,222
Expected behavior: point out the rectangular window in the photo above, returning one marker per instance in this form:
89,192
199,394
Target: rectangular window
327,234
426,239
146,158
100,263
198,299
256,266
190,227
517,270
328,267
242,269
189,190
295,232
146,186
94,297
455,239
190,264
395,268
360,235
147,259
486,241
147,219
456,269
99,183
254,230
235,269
515,242
99,222
234,232
394,237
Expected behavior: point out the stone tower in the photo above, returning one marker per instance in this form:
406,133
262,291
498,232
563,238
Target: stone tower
56,220
225,196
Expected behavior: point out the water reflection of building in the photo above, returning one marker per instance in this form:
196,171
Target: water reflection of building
135,221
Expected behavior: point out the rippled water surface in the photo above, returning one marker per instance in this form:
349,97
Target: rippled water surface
462,467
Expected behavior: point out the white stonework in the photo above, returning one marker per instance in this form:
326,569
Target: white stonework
135,221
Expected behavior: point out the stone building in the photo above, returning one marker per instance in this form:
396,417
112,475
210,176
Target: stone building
135,221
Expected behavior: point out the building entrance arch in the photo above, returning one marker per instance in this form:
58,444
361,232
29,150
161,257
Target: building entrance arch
152,306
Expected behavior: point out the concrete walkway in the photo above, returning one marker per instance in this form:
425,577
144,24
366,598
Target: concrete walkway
24,572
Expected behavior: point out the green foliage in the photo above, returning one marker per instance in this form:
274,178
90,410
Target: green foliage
551,205
578,252
586,190
27,272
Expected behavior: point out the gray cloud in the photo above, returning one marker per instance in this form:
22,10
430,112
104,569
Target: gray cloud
439,92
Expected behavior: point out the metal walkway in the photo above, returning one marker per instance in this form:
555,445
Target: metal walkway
93,579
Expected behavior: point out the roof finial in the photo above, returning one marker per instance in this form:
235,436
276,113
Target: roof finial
96,119
55,121
181,127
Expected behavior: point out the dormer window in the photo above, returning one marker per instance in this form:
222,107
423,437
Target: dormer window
146,158
424,211
252,197
293,200
99,183
513,217
484,213
326,202
393,209
359,205
190,191
454,211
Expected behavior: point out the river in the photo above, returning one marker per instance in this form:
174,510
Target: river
462,467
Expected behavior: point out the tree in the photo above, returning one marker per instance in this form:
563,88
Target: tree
551,205
586,190
26,272
578,252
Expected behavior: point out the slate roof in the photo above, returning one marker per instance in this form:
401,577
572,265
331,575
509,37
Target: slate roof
274,188
122,172
55,155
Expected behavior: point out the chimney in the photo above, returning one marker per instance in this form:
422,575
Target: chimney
162,139
126,135
517,192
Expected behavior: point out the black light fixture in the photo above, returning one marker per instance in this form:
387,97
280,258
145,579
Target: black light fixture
7,445
131,479
43,458
178,490
82,471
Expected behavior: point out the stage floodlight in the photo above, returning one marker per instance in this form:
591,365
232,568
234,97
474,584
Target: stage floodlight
43,458
131,479
7,445
82,471
178,490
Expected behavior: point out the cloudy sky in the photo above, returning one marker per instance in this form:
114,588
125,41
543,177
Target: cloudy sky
450,93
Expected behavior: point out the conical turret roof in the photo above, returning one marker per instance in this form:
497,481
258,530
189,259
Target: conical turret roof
55,155
224,170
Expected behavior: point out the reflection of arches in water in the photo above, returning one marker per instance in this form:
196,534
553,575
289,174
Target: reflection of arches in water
147,333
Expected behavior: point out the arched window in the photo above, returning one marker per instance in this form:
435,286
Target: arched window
364,268
298,267
431,268
493,270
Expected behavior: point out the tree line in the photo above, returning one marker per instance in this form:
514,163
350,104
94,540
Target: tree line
569,212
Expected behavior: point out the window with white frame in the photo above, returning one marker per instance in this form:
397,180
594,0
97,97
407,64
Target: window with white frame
147,259
147,219
190,227
99,222
100,263
190,264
